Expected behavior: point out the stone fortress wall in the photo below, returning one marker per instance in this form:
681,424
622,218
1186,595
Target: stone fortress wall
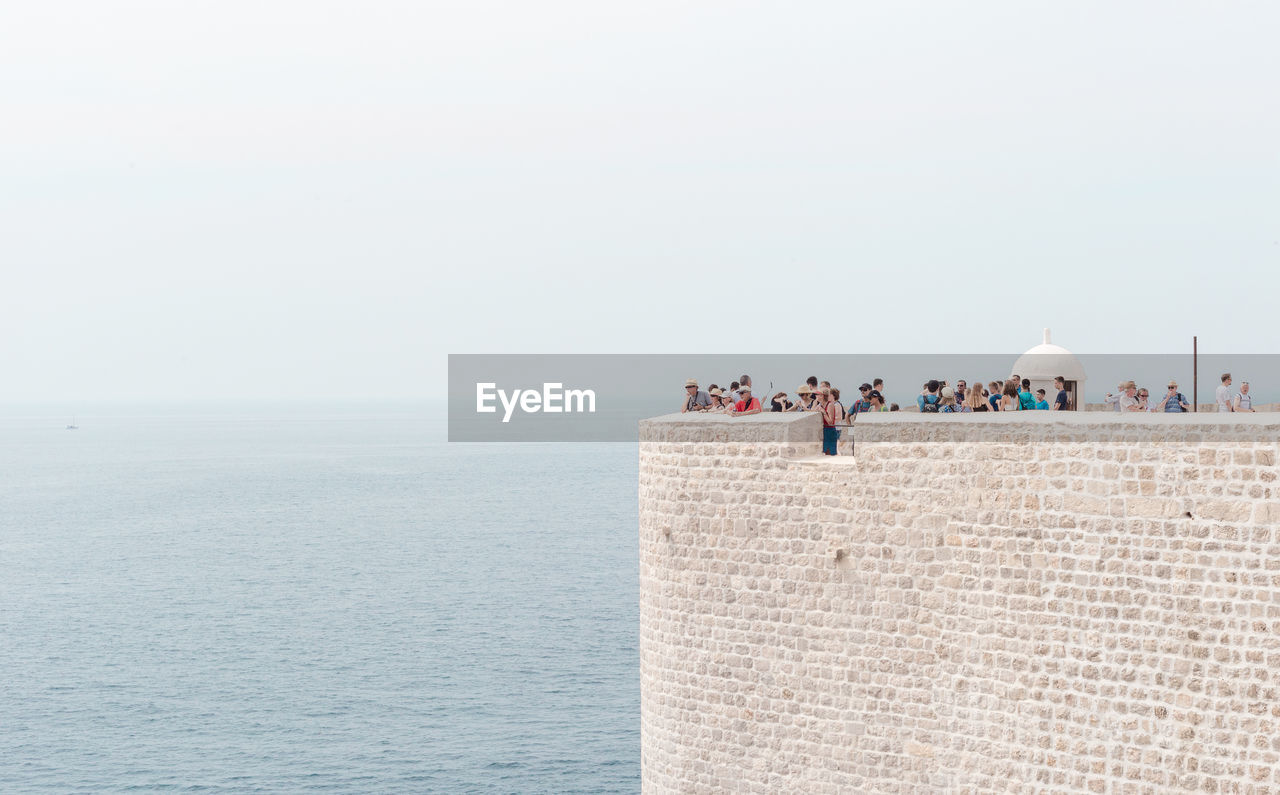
1024,602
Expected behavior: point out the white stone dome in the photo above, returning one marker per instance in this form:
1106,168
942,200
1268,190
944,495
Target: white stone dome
1047,361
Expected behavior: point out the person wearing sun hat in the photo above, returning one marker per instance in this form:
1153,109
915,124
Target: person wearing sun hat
1129,400
804,399
746,403
1174,402
717,405
694,399
948,400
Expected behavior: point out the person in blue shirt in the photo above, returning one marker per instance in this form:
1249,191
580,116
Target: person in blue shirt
1026,400
863,403
1041,403
1061,401
994,398
1174,402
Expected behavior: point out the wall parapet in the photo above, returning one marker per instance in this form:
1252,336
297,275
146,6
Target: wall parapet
804,428
776,427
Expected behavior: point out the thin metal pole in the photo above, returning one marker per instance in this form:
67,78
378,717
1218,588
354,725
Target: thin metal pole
1195,374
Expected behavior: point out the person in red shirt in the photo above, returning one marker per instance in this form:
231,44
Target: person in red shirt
747,405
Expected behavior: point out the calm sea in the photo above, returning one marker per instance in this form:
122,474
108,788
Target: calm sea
281,598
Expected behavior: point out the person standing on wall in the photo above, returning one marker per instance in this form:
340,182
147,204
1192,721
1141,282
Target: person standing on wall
695,399
1223,393
1128,399
1243,402
1114,400
947,401
1009,397
975,401
804,399
877,394
928,401
835,397
1026,398
865,401
830,419
1174,402
746,404
1061,402
719,401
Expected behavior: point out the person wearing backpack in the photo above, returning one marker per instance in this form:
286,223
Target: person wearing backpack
1174,402
864,403
1026,400
947,401
928,402
1243,401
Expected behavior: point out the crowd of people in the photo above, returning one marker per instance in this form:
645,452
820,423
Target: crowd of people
937,397
1012,394
813,395
1130,397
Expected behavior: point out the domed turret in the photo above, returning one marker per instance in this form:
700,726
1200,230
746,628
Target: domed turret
1047,361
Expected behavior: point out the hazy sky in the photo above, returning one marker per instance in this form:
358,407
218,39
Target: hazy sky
215,199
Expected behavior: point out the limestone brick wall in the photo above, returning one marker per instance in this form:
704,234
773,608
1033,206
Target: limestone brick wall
1006,603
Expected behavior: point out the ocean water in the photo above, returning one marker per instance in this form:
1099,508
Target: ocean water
274,598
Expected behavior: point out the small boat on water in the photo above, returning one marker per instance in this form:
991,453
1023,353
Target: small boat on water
73,426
